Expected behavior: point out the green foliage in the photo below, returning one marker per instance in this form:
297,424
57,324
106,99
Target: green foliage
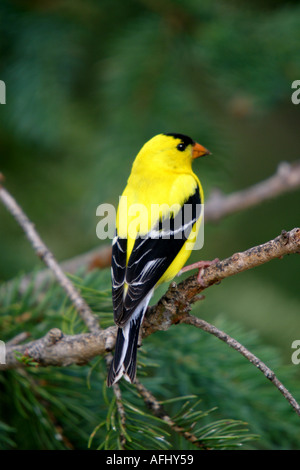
221,434
206,388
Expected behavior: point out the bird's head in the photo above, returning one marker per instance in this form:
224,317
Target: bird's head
171,152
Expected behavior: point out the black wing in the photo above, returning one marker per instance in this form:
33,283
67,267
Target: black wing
151,256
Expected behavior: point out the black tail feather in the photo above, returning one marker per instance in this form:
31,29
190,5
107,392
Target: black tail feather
124,361
130,358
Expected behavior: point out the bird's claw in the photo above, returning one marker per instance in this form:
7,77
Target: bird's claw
199,265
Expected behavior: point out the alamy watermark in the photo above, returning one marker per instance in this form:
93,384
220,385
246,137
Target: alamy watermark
296,94
296,354
2,352
176,222
2,92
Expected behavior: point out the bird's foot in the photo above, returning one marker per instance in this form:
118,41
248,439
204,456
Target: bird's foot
199,265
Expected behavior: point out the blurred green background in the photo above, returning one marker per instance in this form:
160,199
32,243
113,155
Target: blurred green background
88,82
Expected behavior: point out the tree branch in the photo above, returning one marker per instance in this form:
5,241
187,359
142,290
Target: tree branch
57,349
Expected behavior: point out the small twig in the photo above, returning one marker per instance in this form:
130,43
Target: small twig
158,410
233,343
45,254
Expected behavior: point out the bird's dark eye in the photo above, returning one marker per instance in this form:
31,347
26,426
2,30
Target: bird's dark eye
181,147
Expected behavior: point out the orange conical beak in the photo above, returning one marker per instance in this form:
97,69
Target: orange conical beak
199,151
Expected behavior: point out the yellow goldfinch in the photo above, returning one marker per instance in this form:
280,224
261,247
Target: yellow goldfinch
152,248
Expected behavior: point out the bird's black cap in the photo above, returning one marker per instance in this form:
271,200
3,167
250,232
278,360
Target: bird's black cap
184,138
